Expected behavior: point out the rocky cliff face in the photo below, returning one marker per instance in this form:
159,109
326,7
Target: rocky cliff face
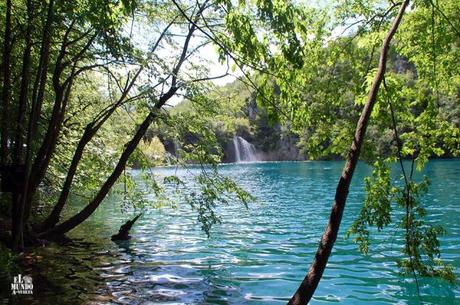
261,140
285,150
271,141
283,147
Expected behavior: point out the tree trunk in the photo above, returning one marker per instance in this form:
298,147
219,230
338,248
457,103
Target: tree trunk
43,157
62,96
18,203
129,148
54,216
24,91
6,92
308,286
90,131
92,206
38,93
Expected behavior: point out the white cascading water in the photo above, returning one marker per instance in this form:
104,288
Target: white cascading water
244,151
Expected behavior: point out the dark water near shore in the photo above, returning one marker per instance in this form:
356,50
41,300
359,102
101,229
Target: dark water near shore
257,255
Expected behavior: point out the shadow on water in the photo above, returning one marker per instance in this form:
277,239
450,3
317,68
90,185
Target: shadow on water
62,274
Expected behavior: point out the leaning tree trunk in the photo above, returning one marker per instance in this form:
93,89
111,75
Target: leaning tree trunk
88,134
78,218
93,205
308,286
81,216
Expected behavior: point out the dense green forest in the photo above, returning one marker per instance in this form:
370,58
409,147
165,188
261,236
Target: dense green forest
92,89
240,114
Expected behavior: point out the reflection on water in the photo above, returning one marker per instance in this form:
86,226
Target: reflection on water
256,256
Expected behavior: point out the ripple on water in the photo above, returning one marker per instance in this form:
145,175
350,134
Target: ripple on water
256,256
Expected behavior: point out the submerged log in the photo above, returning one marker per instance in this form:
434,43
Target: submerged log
123,233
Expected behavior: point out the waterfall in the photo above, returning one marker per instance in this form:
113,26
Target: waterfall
244,151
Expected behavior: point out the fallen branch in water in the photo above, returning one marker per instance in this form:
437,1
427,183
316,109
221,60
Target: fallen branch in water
123,233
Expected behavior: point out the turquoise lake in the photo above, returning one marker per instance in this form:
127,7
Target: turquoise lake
257,255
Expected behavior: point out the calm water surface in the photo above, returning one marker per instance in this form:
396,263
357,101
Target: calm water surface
257,255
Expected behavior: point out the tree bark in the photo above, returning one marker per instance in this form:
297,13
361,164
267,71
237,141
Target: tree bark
24,91
40,162
38,93
54,216
42,159
93,205
129,148
62,95
18,204
308,286
6,92
90,131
